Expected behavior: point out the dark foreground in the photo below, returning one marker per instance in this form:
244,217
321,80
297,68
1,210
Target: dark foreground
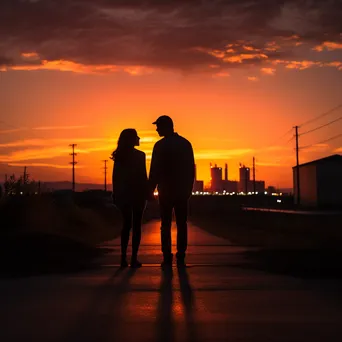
214,299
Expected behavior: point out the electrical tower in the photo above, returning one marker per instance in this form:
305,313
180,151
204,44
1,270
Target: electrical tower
105,174
73,163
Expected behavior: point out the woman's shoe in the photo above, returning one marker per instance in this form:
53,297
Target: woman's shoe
135,264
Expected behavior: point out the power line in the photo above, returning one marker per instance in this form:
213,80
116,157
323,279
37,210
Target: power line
322,126
322,142
290,139
285,134
281,137
321,115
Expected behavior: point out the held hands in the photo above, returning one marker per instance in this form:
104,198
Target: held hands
150,196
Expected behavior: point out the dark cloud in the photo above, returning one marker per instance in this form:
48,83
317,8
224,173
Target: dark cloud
5,61
174,34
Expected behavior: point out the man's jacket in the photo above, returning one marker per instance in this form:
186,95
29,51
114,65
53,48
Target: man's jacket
172,167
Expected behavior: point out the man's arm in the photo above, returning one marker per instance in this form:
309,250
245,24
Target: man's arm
154,169
191,166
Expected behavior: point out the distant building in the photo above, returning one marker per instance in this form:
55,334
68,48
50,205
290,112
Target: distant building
216,179
259,186
271,189
246,184
320,182
226,172
230,186
198,186
244,180
243,185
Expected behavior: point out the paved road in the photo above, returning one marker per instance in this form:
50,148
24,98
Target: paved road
212,300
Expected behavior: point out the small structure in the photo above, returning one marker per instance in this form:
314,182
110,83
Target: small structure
216,179
198,186
320,182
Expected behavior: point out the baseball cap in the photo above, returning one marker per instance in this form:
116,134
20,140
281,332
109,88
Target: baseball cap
163,120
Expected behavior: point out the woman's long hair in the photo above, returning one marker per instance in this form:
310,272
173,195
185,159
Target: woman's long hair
127,141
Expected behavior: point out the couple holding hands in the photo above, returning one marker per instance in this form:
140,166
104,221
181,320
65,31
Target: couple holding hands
172,172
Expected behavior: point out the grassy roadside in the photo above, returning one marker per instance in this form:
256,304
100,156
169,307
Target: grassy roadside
273,230
301,246
54,233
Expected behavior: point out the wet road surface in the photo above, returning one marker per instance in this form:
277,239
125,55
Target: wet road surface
211,300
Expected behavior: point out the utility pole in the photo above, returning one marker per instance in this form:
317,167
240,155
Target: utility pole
26,176
73,163
297,166
254,171
105,174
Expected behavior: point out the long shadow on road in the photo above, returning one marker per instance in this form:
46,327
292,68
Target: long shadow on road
165,325
102,319
188,301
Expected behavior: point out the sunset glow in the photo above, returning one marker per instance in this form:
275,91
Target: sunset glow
233,87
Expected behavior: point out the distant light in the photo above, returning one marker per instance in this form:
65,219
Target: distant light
265,192
201,193
279,201
281,194
197,192
21,193
156,193
249,193
216,193
256,193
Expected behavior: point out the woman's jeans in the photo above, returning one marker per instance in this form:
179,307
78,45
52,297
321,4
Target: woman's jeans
132,216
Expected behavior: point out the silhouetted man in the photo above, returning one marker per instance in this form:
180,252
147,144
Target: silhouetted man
173,171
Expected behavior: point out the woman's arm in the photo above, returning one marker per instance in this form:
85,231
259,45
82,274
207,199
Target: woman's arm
144,168
114,179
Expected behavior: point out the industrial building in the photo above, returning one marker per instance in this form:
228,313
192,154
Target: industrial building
198,184
320,182
218,184
216,179
247,185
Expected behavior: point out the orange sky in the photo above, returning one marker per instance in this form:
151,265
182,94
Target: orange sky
227,120
232,101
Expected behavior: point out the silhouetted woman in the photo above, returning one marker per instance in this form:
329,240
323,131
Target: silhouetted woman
130,191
